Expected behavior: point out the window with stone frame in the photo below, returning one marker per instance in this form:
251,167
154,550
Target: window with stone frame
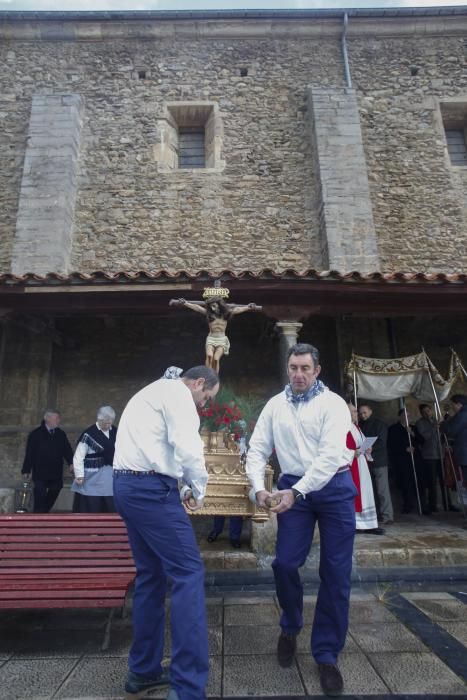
454,116
190,137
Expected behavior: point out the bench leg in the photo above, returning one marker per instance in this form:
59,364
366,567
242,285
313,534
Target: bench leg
106,642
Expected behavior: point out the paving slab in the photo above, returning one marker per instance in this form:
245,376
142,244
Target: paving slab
416,673
457,629
92,678
242,639
258,614
259,675
372,611
360,678
391,636
441,610
32,678
57,643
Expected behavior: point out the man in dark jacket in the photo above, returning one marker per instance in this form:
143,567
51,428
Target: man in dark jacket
46,448
373,427
403,444
456,429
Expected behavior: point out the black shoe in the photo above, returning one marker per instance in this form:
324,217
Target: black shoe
426,511
453,509
236,544
137,686
331,680
376,531
212,537
286,648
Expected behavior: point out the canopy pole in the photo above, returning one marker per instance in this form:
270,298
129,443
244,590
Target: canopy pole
439,417
448,449
413,460
354,385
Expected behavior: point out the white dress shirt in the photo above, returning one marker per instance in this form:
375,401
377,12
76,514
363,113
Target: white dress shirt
159,430
308,436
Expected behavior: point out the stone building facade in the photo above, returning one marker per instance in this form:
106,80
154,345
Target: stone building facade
306,168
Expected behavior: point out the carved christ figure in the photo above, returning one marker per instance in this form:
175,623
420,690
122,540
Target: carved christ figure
217,313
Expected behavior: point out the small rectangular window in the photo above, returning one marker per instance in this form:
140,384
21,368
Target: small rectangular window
191,147
455,139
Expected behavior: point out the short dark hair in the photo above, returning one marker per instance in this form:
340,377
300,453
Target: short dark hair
422,406
459,398
304,349
211,378
367,405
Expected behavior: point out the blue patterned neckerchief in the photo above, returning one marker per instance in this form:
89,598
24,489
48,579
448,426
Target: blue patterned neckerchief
315,389
173,372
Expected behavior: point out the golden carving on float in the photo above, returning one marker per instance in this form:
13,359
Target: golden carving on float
228,485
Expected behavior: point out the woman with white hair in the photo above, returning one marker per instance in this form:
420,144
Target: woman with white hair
92,465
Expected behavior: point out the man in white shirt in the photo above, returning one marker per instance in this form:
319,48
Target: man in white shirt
307,425
158,445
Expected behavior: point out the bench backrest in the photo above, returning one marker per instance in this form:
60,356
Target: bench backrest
59,556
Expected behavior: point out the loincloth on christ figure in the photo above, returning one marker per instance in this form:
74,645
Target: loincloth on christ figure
218,341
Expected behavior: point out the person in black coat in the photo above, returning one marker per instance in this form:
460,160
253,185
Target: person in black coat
401,447
46,449
456,430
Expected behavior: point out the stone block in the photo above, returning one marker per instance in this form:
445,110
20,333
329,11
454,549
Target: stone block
262,614
417,673
244,675
360,678
19,676
393,636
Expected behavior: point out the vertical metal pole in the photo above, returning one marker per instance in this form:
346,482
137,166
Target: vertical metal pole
355,386
413,460
438,419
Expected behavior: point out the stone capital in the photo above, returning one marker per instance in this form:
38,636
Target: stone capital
289,328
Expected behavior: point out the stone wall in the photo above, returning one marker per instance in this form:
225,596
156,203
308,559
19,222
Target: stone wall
260,206
419,199
260,211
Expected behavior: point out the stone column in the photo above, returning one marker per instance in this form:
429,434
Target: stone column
44,224
289,331
348,235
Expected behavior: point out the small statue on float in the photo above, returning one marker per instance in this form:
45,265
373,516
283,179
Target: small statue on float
218,312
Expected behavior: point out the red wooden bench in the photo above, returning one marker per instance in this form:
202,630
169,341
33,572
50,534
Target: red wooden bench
64,561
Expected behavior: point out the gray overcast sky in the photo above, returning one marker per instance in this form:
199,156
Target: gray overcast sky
86,5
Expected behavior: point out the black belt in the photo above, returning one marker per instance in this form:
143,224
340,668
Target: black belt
133,472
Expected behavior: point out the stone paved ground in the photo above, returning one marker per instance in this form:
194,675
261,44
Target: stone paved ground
398,644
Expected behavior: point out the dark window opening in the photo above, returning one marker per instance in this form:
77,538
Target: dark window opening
243,72
457,149
141,75
414,70
191,147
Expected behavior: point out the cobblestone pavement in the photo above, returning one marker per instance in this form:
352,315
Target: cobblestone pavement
398,644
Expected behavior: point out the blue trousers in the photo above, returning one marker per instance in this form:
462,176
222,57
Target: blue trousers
163,545
235,525
333,508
